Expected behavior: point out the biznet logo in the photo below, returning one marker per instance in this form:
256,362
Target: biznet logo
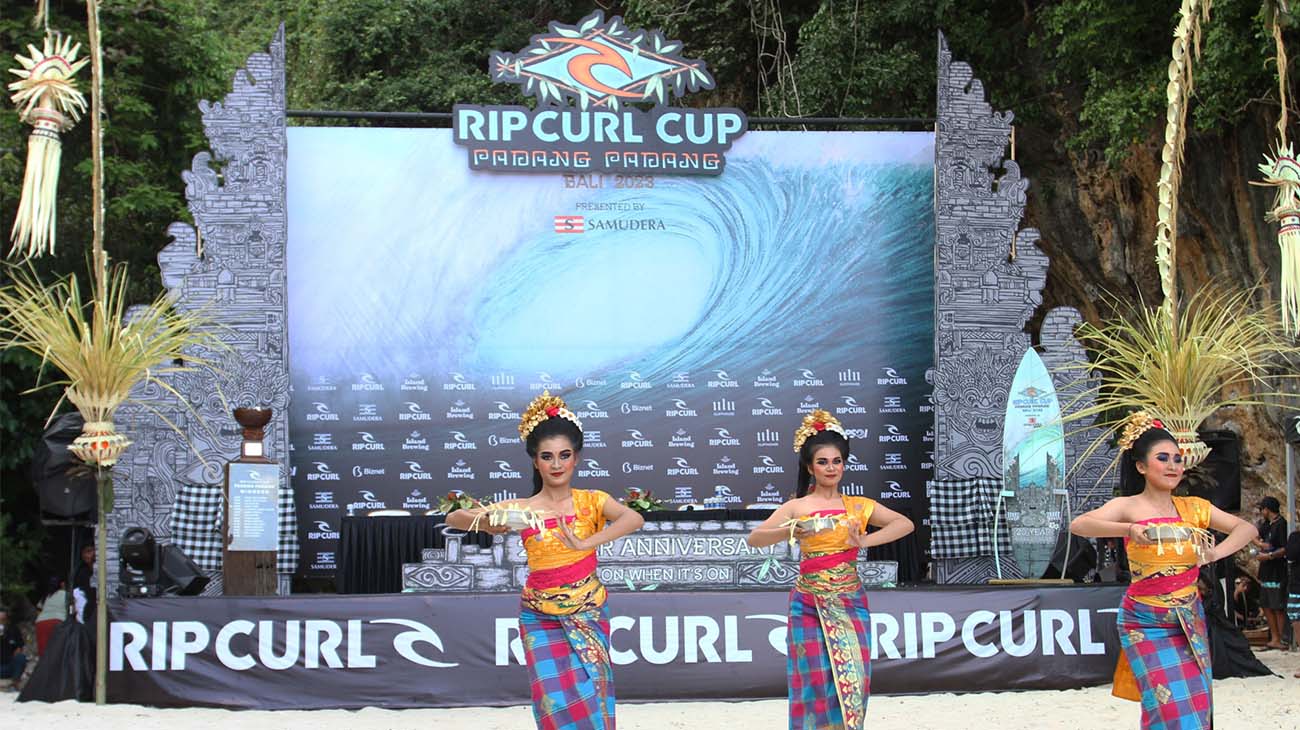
367,442
592,470
359,471
322,473
591,410
627,408
507,440
722,380
414,412
723,438
321,412
891,377
680,410
310,644
502,412
505,471
681,468
893,435
458,382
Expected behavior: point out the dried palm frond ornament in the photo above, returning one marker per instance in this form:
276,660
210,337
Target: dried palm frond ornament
47,98
1185,359
1281,171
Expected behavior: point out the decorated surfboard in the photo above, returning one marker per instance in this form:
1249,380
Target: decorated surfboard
1033,465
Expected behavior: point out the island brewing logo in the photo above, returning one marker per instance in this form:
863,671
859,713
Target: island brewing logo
582,76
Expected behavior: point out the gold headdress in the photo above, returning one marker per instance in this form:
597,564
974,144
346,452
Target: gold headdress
1138,423
814,423
543,407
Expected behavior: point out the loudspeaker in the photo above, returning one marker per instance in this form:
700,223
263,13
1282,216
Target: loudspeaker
1223,465
65,487
1083,559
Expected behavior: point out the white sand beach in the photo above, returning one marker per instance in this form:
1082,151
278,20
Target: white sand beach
1259,703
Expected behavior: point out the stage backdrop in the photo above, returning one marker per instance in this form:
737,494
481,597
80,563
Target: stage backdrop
690,322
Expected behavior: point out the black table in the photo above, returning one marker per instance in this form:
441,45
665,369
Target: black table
373,549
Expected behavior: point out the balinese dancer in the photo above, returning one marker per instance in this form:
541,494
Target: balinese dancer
563,619
1165,658
828,658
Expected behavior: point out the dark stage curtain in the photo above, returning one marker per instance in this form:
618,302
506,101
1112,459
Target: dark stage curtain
373,549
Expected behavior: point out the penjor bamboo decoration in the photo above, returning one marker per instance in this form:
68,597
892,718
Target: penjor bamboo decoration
1186,48
1283,172
47,98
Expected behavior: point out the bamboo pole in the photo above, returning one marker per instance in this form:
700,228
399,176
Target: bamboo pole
99,261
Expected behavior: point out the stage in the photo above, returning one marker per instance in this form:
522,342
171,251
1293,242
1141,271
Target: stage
438,650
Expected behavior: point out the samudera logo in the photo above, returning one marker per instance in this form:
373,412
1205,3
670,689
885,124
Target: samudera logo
582,75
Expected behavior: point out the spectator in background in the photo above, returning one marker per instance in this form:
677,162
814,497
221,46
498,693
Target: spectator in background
53,611
1272,568
12,658
1293,586
1245,601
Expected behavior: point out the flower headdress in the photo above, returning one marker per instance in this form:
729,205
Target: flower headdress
543,407
814,423
1138,423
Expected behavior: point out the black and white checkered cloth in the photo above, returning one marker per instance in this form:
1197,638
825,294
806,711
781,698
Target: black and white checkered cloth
196,527
961,518
196,524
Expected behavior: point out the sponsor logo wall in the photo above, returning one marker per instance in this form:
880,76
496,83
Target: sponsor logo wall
424,319
421,651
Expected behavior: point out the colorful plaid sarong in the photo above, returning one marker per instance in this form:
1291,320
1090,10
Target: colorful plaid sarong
1168,653
828,660
569,669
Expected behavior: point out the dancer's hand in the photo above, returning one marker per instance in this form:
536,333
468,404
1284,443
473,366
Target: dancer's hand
570,540
857,533
1138,533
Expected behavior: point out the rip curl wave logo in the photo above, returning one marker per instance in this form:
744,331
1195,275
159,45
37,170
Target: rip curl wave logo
596,63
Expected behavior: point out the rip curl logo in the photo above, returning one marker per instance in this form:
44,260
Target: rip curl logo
582,76
599,64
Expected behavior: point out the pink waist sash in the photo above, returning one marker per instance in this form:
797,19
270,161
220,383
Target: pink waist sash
563,575
814,565
1162,584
